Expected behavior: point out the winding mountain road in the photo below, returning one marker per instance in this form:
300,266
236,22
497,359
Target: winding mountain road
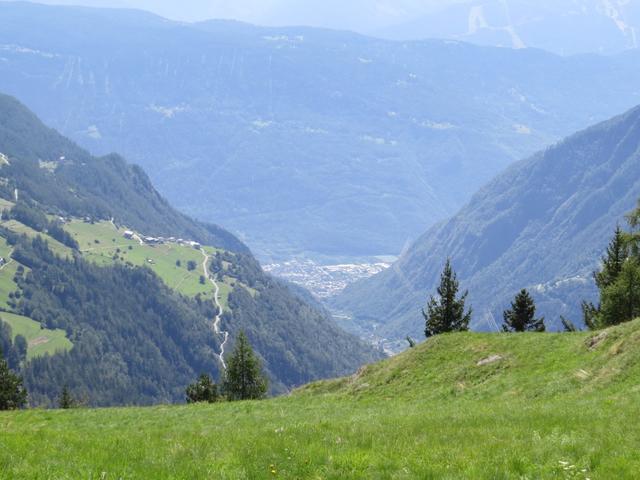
217,319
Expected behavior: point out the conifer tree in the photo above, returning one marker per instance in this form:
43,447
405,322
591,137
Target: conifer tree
203,390
620,301
12,393
21,346
568,325
446,313
633,238
65,401
617,281
244,379
521,316
612,262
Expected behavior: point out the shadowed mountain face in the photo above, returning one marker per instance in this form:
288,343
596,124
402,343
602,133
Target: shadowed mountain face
301,140
543,225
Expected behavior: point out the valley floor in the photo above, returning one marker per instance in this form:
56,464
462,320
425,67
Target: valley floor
477,406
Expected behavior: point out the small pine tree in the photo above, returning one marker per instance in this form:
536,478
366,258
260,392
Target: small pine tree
203,390
568,325
66,400
521,316
447,312
244,379
12,393
590,315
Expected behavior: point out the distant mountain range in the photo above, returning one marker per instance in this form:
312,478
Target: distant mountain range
301,140
136,317
560,26
565,27
543,224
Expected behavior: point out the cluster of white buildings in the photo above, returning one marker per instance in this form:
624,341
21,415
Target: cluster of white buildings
130,235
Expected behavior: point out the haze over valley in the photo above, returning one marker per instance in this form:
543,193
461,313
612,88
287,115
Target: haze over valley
305,239
302,141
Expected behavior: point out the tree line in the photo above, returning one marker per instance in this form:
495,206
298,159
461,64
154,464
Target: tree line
244,379
618,282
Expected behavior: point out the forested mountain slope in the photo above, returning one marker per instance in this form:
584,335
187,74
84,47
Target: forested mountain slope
131,319
63,178
301,139
543,225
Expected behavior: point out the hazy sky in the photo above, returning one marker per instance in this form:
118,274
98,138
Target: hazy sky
361,15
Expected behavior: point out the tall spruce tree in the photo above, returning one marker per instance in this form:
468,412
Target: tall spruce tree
12,393
446,313
521,316
612,262
244,379
66,401
618,280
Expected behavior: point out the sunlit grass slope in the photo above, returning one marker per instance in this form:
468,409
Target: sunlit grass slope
104,243
459,406
40,340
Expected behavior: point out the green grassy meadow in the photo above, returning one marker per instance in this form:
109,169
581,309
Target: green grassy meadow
476,406
57,247
7,284
41,341
103,244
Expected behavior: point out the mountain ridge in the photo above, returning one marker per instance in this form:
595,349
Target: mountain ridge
543,225
225,117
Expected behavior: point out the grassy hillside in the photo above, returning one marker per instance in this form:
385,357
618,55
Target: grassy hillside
41,341
492,406
103,243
